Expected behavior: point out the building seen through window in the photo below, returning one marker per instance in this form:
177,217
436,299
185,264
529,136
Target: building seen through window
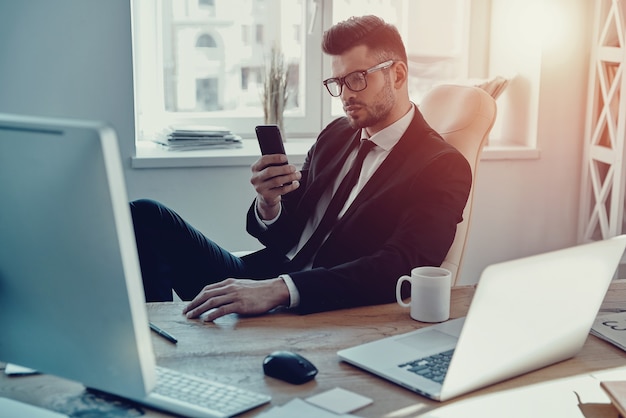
203,61
214,61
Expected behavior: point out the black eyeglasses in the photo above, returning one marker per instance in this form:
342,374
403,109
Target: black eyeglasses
355,81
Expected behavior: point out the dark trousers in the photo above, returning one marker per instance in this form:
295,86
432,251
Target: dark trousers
175,255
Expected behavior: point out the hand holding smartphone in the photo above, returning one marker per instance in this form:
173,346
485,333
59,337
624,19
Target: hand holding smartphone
270,141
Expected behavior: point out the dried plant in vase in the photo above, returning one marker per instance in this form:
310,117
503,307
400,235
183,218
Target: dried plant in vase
274,94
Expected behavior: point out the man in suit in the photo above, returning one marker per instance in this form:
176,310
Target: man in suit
330,242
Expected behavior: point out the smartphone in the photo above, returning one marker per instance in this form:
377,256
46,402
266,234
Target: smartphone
270,141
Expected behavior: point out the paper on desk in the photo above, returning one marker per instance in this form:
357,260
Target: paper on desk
339,401
611,328
301,409
10,408
574,397
15,370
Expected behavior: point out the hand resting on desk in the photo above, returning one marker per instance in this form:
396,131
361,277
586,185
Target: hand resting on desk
242,296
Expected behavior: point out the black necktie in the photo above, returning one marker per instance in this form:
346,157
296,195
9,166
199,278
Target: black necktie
332,212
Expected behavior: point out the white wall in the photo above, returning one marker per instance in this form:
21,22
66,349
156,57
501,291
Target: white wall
526,207
68,58
72,58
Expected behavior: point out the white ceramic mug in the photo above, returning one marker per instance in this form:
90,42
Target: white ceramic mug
430,293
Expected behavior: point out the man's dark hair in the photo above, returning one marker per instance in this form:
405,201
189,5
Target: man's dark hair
382,38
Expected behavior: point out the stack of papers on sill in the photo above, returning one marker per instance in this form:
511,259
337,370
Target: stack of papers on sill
195,137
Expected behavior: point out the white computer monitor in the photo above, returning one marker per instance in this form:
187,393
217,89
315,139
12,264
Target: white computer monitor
71,296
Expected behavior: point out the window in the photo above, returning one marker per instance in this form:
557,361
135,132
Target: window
259,34
206,41
207,5
213,63
203,61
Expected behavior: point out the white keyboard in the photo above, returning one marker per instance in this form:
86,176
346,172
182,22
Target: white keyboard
193,396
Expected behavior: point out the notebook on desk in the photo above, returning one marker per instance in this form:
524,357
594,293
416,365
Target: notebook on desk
525,314
71,295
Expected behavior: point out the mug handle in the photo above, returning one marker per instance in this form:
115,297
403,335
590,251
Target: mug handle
399,291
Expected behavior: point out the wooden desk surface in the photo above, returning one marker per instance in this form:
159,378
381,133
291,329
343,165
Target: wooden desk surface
232,350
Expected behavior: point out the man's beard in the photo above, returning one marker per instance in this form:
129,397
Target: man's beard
383,104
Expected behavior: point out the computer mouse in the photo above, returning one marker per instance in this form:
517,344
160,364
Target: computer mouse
289,367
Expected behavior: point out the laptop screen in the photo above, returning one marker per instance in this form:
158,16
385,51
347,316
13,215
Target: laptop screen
71,297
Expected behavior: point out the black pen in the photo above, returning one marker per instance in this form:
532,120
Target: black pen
163,334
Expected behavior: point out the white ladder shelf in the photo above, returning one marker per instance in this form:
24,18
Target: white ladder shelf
603,173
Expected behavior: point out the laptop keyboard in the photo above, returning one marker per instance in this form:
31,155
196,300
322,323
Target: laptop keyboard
217,398
432,367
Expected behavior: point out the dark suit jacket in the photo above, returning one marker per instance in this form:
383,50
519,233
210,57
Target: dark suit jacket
405,217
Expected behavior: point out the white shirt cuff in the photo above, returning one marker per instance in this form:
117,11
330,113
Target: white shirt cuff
265,223
294,295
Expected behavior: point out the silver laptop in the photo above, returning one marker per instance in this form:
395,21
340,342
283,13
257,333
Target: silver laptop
71,295
525,314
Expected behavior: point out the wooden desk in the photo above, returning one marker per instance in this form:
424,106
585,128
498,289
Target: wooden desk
232,350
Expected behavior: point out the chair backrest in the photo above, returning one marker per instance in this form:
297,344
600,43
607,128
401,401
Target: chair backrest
463,116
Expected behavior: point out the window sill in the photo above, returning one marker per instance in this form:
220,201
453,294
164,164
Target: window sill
149,155
510,152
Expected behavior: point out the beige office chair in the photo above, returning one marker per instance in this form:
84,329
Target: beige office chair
463,116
